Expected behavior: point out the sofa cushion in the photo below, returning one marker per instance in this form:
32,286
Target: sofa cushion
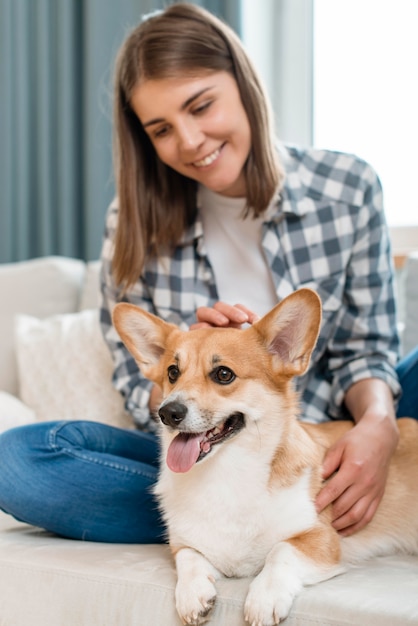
40,287
48,580
65,369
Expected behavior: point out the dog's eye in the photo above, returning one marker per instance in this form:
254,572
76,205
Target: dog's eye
223,375
173,373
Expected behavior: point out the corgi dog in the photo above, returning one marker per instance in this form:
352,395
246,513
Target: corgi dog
240,473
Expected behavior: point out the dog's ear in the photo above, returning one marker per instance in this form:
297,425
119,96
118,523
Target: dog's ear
143,334
291,329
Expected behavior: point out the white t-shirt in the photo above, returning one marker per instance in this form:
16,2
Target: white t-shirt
234,248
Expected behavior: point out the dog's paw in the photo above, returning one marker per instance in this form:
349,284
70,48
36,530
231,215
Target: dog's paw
195,601
267,606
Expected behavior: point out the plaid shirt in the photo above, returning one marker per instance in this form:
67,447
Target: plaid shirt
326,231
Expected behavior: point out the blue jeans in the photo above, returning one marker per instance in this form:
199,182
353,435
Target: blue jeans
82,480
86,480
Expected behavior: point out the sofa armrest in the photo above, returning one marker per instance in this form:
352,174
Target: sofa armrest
13,412
410,298
39,287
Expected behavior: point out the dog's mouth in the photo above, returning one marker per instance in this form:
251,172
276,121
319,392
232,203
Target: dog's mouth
186,449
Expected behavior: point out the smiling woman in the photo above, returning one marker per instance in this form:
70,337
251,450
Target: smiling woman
193,128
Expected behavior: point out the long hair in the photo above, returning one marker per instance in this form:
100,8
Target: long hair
157,204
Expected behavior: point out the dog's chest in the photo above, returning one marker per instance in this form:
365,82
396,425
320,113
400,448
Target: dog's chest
235,520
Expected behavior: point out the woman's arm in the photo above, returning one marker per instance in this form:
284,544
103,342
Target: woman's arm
127,378
365,342
362,357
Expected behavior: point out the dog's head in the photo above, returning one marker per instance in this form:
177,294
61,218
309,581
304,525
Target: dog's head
216,381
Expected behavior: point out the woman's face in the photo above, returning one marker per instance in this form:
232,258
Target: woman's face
198,127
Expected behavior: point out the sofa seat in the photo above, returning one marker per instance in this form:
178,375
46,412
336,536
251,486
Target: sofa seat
49,581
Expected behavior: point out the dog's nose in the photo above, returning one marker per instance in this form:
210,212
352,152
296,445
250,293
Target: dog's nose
172,413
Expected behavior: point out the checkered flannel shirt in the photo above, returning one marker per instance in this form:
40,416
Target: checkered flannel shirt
326,231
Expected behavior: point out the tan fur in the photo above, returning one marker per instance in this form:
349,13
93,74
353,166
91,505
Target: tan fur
317,544
274,453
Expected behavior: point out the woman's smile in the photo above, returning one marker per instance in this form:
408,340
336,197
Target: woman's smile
208,160
198,127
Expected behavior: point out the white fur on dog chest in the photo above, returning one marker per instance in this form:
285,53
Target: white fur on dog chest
233,522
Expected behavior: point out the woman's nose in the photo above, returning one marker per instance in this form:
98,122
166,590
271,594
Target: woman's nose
190,136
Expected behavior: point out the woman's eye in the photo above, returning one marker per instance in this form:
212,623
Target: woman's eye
161,132
201,108
173,373
223,375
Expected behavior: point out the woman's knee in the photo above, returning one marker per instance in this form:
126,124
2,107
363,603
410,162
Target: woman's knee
24,444
22,450
29,456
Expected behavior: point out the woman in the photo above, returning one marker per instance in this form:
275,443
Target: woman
208,213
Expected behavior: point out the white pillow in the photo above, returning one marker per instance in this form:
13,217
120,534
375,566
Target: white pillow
65,369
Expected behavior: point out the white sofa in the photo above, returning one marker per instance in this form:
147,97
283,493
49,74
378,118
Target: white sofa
49,581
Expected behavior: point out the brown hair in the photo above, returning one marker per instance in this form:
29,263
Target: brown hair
157,204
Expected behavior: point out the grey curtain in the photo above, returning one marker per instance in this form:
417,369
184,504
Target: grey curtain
56,59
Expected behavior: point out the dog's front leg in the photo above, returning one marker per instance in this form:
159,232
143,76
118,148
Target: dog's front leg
195,590
272,592
286,571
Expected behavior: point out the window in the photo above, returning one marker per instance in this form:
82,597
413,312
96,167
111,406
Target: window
343,76
365,97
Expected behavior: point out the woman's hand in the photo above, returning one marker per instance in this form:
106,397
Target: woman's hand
224,315
357,464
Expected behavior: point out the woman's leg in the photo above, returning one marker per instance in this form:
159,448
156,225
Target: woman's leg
407,371
82,480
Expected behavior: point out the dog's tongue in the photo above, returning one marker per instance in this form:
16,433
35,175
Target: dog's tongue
183,452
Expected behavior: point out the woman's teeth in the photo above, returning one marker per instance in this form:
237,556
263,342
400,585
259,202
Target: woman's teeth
208,160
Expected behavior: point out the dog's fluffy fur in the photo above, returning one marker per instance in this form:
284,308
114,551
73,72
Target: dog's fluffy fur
239,497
